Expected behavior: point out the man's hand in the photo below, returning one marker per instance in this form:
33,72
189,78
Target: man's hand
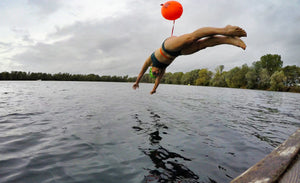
153,91
135,86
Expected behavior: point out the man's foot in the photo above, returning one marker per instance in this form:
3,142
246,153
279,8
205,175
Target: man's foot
236,41
235,31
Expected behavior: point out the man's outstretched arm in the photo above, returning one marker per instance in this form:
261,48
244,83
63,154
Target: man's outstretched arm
157,81
143,70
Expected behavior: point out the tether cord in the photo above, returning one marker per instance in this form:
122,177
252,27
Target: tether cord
173,27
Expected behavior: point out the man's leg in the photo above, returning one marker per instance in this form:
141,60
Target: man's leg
179,43
213,41
229,30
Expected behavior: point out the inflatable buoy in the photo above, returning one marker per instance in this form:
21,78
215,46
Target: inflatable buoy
171,10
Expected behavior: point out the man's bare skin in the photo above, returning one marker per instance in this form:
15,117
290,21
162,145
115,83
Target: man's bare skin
235,31
188,44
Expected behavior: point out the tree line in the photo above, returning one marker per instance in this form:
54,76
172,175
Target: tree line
266,74
19,75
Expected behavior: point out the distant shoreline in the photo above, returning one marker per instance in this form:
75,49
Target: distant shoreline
85,78
266,74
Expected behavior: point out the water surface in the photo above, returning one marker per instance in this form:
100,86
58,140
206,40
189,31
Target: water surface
106,132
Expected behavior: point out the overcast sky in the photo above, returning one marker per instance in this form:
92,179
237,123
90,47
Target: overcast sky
114,37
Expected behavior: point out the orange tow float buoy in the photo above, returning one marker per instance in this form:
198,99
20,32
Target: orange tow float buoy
171,10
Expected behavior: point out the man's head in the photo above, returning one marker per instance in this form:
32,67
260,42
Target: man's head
155,71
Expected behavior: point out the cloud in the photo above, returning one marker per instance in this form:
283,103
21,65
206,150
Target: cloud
107,47
46,7
5,47
102,47
115,37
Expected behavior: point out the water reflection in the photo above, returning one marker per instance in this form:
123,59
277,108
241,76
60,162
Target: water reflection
267,139
168,165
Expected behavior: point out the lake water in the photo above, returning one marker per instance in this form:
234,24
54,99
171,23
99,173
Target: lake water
98,132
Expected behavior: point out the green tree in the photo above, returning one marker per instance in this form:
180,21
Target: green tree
231,78
257,66
204,77
92,77
176,79
219,77
18,75
5,76
277,81
167,78
236,77
220,69
190,77
242,76
293,75
264,79
219,80
251,78
271,62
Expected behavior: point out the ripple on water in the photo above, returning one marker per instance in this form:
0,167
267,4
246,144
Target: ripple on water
105,132
20,143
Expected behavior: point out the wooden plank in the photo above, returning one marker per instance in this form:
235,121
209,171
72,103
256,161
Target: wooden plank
273,165
293,173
